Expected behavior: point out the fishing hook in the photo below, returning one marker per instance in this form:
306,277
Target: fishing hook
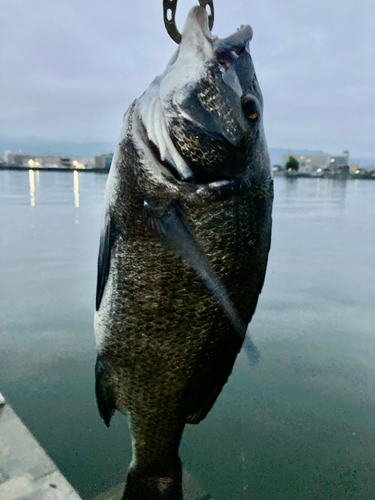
169,10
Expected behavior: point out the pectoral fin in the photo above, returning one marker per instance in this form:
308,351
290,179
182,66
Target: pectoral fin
174,231
251,350
107,240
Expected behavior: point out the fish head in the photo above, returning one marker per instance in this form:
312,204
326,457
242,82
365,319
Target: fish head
210,103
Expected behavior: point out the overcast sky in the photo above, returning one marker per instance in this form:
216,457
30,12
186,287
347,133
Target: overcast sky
70,68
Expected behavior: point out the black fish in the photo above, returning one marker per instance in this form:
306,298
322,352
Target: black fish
184,248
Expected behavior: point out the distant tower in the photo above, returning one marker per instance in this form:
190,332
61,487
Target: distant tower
7,152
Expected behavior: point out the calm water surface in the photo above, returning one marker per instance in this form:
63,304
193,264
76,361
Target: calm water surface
298,426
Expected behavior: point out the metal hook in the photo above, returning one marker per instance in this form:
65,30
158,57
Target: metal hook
211,14
169,11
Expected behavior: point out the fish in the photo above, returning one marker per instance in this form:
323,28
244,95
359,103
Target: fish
183,248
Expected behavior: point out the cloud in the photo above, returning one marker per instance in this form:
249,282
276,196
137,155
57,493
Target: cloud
69,69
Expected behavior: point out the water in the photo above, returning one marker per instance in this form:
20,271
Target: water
300,425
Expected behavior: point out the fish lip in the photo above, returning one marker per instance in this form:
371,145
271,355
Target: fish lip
228,50
225,50
238,39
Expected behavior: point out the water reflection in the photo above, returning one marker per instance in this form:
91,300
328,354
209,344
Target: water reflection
38,187
32,187
37,180
76,188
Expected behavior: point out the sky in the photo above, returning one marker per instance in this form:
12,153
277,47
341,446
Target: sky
70,68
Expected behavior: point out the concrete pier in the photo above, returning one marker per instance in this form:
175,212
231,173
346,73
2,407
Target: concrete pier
26,471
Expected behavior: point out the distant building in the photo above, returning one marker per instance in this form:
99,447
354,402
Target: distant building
51,161
72,163
339,163
31,161
43,161
21,160
7,152
353,168
87,162
99,162
104,161
308,164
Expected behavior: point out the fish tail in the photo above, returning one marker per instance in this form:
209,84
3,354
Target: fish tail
148,484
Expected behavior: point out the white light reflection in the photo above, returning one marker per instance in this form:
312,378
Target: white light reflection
76,188
32,187
37,172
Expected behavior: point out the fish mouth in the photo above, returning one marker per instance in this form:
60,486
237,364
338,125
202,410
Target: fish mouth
228,50
225,50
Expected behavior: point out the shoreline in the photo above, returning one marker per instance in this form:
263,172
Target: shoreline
341,177
54,169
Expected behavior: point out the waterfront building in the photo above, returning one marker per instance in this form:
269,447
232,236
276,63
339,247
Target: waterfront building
7,152
71,163
87,162
21,160
32,161
339,163
104,161
51,161
43,161
308,163
353,168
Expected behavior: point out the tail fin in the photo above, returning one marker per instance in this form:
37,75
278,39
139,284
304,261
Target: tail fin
146,486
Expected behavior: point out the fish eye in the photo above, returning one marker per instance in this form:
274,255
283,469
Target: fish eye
250,106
